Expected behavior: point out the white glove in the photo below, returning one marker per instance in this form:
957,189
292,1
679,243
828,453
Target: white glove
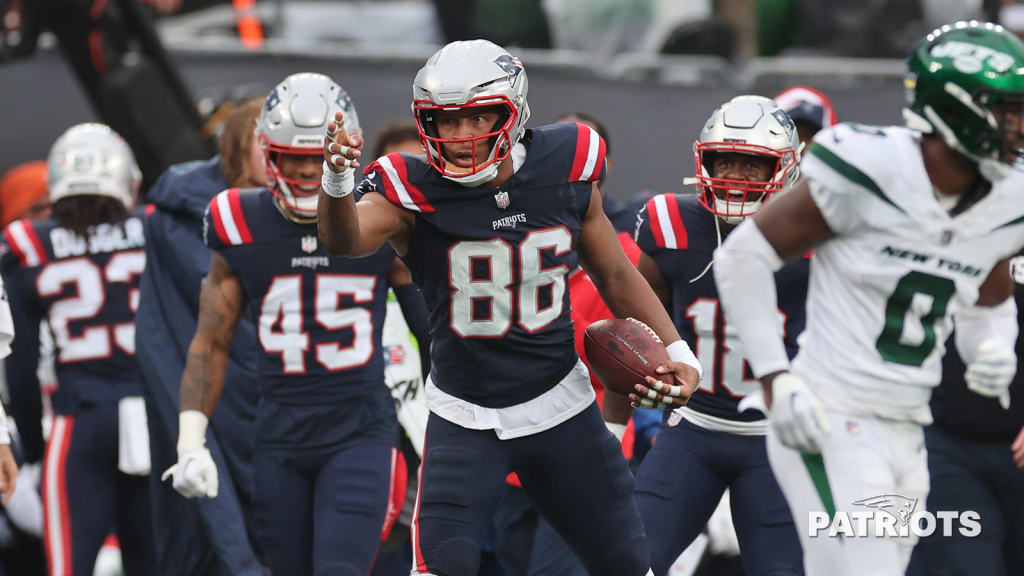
992,371
796,415
195,474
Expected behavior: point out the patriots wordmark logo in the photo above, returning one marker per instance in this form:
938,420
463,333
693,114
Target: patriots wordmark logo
899,507
510,65
502,199
309,244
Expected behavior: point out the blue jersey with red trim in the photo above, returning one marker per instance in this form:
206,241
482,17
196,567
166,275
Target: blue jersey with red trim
680,236
86,287
318,319
492,262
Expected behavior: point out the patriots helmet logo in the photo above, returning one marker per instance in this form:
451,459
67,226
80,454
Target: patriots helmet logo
509,64
900,507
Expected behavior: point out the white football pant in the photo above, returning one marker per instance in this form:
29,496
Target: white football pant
863,458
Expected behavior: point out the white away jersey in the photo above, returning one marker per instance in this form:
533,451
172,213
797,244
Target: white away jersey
884,289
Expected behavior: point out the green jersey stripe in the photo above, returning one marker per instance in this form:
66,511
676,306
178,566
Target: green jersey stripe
850,172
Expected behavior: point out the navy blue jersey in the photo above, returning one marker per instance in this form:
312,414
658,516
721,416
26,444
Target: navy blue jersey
491,263
318,319
679,235
87,289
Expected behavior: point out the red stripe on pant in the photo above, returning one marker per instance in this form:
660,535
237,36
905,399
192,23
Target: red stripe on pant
419,563
56,514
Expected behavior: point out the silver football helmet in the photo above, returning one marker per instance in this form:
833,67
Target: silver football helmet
294,121
92,159
468,74
746,125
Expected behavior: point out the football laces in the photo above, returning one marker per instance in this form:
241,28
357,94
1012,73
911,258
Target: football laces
647,329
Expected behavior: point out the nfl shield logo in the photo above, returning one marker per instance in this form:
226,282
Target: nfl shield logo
502,199
309,244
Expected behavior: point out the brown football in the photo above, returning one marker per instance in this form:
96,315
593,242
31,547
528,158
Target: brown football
622,351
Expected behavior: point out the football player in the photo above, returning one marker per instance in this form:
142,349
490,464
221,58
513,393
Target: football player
324,446
80,270
490,223
810,109
747,153
909,226
8,467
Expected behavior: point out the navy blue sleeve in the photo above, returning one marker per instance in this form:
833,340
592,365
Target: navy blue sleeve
414,309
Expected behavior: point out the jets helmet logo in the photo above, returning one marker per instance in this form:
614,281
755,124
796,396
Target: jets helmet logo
971,58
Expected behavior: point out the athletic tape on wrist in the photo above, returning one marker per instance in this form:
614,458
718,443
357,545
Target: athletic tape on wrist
679,351
191,430
335,184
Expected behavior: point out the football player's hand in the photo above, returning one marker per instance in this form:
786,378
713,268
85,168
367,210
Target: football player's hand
1018,449
194,475
992,371
656,394
796,416
8,473
341,149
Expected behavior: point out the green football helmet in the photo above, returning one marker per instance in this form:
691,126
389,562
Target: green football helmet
957,76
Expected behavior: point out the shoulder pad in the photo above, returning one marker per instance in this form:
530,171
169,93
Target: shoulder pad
864,156
228,219
393,175
666,222
587,163
24,243
588,160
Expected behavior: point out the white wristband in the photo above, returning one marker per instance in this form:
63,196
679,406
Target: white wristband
337,184
619,430
679,351
191,431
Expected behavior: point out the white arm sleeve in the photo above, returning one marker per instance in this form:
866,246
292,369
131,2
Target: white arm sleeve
745,268
976,324
6,323
6,336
